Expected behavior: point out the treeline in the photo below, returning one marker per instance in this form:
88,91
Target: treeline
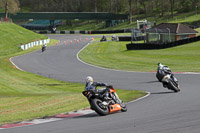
116,6
147,7
131,7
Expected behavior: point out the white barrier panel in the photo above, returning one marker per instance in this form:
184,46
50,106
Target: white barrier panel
77,32
26,46
67,32
22,47
32,44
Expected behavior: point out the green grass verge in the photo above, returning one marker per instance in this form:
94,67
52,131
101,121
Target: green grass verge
25,96
114,55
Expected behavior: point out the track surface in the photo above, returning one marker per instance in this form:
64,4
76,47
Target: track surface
161,112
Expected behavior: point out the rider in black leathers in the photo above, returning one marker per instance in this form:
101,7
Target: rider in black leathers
91,85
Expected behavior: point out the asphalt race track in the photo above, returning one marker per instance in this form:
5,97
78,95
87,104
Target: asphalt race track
162,112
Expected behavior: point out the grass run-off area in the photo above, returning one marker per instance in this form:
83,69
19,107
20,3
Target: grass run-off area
25,96
114,55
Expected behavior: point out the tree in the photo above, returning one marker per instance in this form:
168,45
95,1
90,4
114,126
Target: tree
130,11
172,7
135,3
162,8
142,2
10,6
95,5
116,6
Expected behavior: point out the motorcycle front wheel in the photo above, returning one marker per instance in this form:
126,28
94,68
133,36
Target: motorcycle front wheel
43,49
173,86
124,108
99,107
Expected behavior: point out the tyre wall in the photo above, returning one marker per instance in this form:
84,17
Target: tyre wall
142,46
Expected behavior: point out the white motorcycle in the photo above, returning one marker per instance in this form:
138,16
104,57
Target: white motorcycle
44,48
168,79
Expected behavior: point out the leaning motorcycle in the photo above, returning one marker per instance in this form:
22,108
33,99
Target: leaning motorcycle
168,79
114,38
102,106
43,48
103,39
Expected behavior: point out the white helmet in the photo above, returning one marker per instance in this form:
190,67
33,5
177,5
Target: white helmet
89,79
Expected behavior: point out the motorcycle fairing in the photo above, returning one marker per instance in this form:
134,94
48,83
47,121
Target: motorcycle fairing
114,108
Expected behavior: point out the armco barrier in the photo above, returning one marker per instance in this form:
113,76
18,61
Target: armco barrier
143,46
36,43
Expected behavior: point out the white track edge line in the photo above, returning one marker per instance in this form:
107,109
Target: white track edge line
148,94
15,64
77,56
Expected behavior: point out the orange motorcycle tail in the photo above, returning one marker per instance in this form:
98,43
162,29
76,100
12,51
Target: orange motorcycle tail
114,108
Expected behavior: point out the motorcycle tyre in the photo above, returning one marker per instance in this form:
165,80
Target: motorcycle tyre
98,109
171,86
43,49
124,108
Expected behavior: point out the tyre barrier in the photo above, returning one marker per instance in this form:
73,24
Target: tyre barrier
145,46
106,32
128,38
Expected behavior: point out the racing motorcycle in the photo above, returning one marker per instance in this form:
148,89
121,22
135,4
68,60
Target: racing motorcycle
44,48
102,106
114,38
168,79
103,39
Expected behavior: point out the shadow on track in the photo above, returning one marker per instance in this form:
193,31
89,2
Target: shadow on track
166,92
153,81
149,82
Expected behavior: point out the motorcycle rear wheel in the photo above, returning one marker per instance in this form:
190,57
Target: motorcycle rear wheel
99,107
